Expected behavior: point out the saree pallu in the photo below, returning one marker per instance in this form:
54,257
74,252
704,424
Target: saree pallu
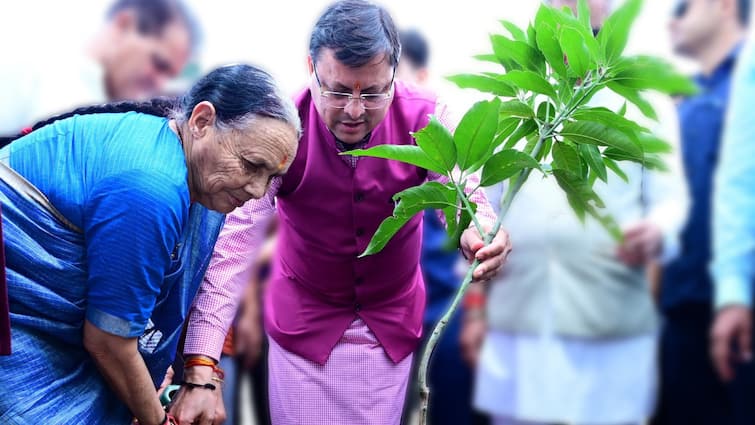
4,309
50,378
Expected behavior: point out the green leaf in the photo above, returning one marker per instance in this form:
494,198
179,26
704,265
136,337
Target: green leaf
454,228
532,36
650,161
475,134
482,83
623,110
591,155
488,58
525,129
528,80
595,133
546,111
583,14
614,34
409,154
577,54
547,39
410,202
515,108
506,127
609,224
565,19
532,139
577,189
566,158
653,144
616,169
544,152
438,143
583,200
514,30
633,96
517,54
505,164
655,162
649,73
607,117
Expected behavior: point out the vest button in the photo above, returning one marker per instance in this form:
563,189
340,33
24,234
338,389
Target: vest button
359,280
359,197
358,307
360,231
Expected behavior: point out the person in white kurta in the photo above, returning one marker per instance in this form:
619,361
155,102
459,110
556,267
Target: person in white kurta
571,325
140,47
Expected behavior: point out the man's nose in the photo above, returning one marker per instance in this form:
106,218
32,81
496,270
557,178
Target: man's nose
354,109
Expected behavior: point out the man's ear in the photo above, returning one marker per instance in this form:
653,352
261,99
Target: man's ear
423,74
203,117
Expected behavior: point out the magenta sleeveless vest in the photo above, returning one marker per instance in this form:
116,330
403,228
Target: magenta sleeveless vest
328,211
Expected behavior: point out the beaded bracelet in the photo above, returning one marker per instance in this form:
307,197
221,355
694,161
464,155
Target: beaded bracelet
193,385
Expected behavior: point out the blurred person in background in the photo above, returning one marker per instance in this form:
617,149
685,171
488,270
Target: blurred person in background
142,45
710,32
342,329
569,327
105,250
448,375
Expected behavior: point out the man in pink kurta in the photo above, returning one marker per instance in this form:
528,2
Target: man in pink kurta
341,328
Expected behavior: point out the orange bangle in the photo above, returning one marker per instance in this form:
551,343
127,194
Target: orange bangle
474,300
204,361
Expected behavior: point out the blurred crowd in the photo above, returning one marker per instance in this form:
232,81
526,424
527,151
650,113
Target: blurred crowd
575,329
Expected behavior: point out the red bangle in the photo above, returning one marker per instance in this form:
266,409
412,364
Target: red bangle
474,300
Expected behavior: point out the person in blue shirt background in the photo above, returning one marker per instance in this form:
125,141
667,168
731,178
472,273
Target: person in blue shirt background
711,34
733,264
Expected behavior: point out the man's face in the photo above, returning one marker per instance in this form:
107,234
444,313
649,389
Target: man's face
351,122
693,23
599,9
140,65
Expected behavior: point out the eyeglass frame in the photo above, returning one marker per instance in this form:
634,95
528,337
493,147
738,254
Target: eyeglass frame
384,97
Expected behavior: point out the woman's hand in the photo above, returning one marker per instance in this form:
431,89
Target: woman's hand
119,361
199,406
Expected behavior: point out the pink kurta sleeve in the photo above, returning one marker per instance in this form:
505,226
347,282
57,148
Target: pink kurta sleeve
228,274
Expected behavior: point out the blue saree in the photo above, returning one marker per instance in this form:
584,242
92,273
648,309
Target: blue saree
49,377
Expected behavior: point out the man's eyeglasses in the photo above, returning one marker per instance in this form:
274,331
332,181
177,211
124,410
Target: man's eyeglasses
680,9
340,100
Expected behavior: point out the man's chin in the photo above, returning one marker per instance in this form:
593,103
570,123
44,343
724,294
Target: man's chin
349,138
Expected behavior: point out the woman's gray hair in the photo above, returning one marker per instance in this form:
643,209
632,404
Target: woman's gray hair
240,93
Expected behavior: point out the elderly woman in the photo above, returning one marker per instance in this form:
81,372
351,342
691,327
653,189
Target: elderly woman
108,233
